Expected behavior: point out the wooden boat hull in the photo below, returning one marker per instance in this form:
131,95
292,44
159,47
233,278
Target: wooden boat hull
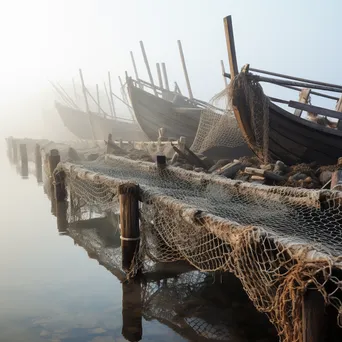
153,112
78,123
292,139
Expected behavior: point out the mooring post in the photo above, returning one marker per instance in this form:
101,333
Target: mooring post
39,165
313,316
23,160
59,186
132,310
129,222
15,151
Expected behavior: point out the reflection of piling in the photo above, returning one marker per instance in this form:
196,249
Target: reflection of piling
131,310
129,222
9,148
39,165
23,160
14,151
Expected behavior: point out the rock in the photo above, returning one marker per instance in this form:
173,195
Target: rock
308,180
299,176
325,177
93,156
230,170
267,167
279,167
187,167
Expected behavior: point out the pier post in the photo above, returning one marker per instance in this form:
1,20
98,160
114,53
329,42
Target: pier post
129,222
15,151
59,186
23,160
54,159
132,310
61,214
39,165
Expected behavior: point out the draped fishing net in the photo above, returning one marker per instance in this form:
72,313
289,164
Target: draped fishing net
218,126
278,241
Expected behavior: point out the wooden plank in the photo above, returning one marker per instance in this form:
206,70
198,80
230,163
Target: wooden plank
185,70
315,109
338,107
148,67
111,94
159,76
166,80
303,98
228,28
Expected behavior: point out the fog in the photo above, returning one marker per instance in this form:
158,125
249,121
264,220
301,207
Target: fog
45,40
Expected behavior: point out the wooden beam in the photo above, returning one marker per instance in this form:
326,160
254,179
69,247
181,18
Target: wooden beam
223,72
75,91
111,94
177,89
338,107
315,109
166,80
185,70
303,98
98,100
108,99
159,76
135,69
126,98
67,95
228,28
148,67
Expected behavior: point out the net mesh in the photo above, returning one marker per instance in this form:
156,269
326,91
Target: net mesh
278,241
217,128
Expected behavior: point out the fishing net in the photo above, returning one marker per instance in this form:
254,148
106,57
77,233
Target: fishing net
278,241
217,127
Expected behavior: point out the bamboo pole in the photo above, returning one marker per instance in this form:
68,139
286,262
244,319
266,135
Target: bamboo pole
110,93
84,89
148,67
166,80
185,70
159,76
228,28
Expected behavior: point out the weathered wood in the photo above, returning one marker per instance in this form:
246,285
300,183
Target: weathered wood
129,223
62,218
59,186
313,317
135,69
166,80
264,173
23,160
98,100
315,109
338,107
38,163
148,67
108,99
15,150
228,28
185,70
303,98
296,78
230,170
159,76
177,89
111,94
54,159
161,162
114,148
223,72
132,310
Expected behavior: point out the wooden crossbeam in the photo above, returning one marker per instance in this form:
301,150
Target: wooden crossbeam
303,98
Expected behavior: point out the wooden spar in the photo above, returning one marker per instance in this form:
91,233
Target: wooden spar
125,97
185,70
111,94
223,72
84,89
316,110
135,69
293,83
148,67
166,80
297,78
159,76
118,98
98,100
129,222
304,96
177,89
67,95
23,160
62,96
75,92
275,99
109,103
228,28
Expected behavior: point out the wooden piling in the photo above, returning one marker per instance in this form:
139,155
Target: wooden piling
59,186
132,310
38,163
23,160
161,162
313,317
129,222
54,159
61,214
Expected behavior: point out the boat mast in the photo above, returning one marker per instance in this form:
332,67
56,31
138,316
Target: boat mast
185,69
148,67
111,94
84,89
166,80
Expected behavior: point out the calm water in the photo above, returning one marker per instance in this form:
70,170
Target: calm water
50,290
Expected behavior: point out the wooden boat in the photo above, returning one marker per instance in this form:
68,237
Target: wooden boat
81,125
291,139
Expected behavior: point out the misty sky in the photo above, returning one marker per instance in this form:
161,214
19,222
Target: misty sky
47,39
